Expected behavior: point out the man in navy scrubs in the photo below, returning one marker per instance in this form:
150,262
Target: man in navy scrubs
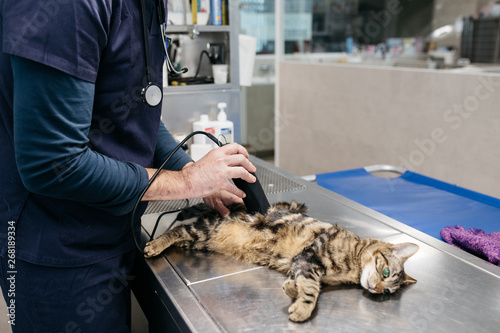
77,147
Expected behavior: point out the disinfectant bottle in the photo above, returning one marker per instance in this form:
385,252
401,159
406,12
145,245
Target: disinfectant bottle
205,125
224,128
201,143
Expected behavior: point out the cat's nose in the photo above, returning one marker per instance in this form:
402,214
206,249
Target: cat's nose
374,290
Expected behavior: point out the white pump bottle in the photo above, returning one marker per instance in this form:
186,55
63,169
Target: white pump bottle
224,128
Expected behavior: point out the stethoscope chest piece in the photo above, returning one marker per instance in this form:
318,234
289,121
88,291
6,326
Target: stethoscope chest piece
152,95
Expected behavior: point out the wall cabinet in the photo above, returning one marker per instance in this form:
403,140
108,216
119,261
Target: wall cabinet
184,103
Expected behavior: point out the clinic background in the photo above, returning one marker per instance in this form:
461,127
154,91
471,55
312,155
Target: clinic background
348,83
379,82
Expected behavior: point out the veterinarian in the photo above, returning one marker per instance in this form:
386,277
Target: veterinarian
78,146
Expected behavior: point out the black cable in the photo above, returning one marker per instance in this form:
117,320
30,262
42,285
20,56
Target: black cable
163,214
134,211
222,136
199,62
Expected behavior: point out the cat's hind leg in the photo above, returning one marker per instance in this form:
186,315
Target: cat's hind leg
305,302
290,288
305,276
169,238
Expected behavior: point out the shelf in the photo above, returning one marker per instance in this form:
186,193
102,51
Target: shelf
196,87
183,29
185,103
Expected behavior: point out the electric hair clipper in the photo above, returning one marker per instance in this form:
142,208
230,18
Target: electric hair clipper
255,200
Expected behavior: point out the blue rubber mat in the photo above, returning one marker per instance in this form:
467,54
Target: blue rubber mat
423,203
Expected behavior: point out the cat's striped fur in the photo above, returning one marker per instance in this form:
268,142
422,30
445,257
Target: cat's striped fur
309,251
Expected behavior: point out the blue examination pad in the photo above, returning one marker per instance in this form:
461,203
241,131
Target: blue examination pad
423,203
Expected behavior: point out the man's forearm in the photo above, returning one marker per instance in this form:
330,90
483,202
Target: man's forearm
209,176
168,185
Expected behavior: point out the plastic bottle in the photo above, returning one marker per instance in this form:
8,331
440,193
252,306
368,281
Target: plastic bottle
202,144
215,12
224,128
204,124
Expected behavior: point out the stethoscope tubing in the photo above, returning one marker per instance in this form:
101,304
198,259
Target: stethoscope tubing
152,94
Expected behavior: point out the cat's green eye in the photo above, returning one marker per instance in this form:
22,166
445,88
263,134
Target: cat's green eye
386,272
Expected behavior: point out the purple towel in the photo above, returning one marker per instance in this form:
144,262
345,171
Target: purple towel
475,241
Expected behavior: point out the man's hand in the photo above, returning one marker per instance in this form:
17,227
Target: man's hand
209,178
220,201
213,173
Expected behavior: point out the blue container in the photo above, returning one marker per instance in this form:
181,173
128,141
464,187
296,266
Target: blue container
349,43
216,12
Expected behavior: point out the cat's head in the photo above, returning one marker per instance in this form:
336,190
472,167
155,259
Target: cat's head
382,267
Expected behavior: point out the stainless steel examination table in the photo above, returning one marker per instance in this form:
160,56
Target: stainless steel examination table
208,292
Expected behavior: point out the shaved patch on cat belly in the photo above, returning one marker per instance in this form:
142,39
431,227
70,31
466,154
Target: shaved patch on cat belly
246,243
237,239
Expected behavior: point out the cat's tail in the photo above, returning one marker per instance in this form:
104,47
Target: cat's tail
292,206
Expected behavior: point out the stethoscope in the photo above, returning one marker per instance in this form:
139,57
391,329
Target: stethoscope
152,94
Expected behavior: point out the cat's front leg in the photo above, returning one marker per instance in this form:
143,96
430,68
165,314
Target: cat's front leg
155,247
160,244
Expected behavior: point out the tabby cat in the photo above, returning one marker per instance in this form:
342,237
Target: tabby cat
309,251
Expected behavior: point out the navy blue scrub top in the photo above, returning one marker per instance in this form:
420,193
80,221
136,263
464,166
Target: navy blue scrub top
101,43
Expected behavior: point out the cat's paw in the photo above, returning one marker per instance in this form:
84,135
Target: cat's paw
290,288
300,311
154,248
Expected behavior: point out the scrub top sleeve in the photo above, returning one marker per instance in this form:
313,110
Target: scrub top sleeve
164,146
52,117
67,35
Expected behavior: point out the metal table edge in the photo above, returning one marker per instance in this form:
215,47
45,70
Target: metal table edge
198,318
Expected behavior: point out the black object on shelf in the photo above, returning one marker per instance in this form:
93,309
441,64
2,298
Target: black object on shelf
481,40
181,81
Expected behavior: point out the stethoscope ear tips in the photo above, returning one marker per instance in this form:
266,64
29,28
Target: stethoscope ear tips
152,95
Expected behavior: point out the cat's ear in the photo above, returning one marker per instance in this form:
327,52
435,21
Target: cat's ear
408,280
404,250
